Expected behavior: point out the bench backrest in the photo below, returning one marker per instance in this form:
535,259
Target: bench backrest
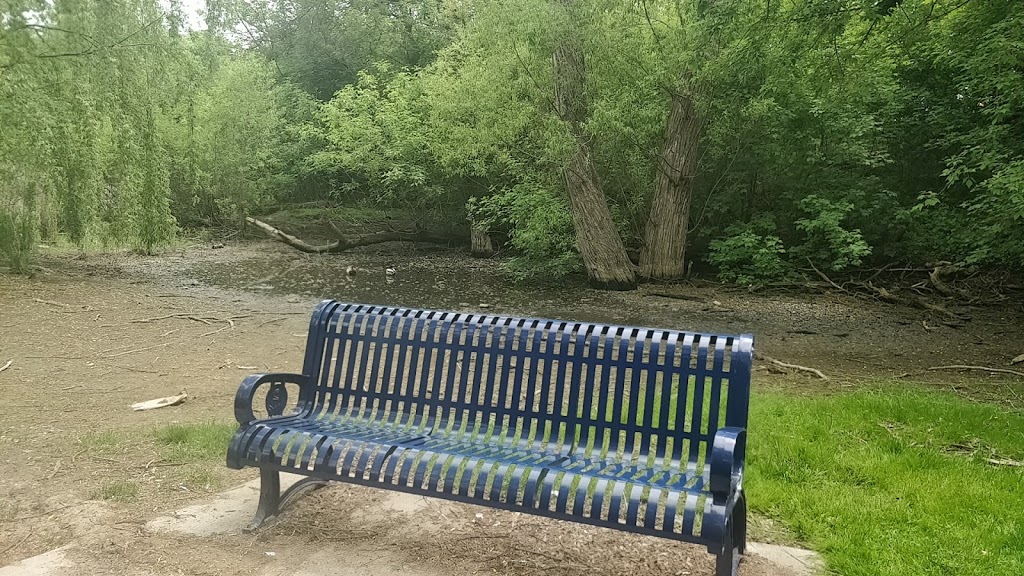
597,387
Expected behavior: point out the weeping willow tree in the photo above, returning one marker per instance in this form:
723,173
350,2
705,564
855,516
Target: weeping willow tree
79,107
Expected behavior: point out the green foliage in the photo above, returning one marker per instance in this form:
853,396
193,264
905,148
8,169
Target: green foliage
986,155
17,233
375,132
875,482
866,135
77,106
748,255
540,230
323,46
246,142
826,241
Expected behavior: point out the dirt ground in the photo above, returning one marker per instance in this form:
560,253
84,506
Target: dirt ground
89,337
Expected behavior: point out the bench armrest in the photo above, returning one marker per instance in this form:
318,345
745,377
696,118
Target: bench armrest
247,392
728,456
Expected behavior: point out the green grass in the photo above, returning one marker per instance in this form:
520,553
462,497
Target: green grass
105,443
882,483
194,442
119,491
198,478
892,483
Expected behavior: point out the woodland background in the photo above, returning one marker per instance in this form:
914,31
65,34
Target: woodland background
620,139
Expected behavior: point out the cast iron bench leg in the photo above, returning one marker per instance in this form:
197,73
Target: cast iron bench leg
272,501
270,498
735,541
739,516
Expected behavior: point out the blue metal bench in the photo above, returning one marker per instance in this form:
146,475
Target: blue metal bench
635,429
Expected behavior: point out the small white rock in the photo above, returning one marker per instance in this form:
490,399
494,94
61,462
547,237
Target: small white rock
271,554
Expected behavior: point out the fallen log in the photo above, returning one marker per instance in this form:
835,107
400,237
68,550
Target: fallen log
883,294
347,242
919,302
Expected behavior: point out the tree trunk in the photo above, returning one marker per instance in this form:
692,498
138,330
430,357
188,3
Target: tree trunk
481,244
665,235
600,245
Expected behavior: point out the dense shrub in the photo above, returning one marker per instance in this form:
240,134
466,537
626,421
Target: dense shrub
749,255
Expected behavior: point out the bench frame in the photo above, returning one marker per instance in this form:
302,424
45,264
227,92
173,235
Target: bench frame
724,515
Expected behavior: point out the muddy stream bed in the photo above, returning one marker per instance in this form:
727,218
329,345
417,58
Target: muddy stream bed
839,334
87,337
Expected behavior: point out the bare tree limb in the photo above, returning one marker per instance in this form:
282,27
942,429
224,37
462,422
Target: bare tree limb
826,278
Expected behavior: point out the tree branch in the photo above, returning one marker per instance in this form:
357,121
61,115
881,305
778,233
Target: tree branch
982,368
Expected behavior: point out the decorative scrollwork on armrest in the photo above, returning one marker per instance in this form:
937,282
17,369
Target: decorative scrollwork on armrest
277,396
277,399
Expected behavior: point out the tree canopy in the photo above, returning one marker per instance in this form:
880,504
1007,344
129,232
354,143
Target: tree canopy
749,135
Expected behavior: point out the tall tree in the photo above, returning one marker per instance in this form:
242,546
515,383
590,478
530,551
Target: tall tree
676,170
677,163
604,254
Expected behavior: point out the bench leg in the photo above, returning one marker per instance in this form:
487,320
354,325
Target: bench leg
735,541
739,518
270,498
272,501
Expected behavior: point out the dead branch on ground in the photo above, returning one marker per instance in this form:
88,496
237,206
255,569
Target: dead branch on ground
51,303
348,241
981,368
826,278
126,352
789,366
664,293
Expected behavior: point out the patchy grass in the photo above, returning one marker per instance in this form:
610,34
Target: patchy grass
881,482
892,483
107,443
194,442
118,491
197,478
